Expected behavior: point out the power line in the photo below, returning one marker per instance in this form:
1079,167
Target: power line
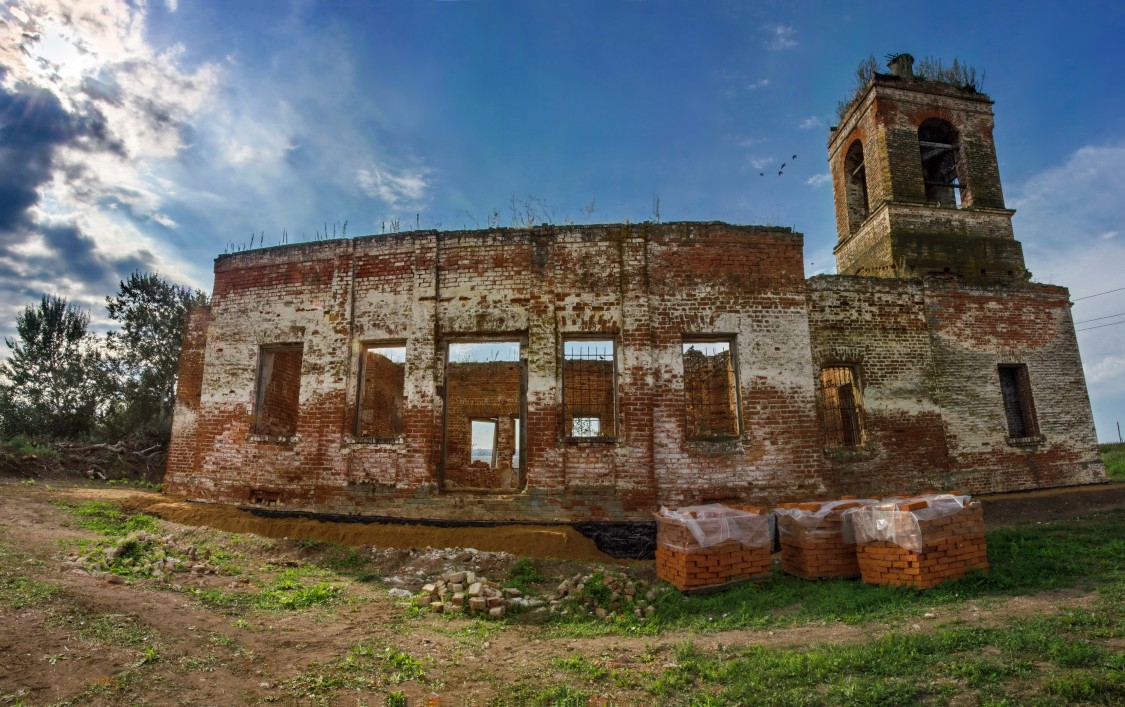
1100,326
1108,316
1098,294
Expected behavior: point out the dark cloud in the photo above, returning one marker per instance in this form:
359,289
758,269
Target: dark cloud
33,126
77,256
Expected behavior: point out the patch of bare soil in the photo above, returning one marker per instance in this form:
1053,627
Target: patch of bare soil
562,542
157,642
1048,505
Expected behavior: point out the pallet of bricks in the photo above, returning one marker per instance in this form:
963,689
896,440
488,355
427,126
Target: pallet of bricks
703,548
817,538
920,541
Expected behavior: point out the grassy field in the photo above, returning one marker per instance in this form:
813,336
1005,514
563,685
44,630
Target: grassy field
1114,457
300,622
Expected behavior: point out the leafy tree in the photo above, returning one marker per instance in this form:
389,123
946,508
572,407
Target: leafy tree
54,378
146,351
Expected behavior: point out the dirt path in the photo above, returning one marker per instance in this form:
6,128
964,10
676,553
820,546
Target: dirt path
153,642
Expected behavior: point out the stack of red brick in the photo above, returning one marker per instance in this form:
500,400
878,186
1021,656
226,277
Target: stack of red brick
817,540
919,542
711,546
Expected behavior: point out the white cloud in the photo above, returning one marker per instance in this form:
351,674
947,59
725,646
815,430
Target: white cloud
810,123
1107,369
172,5
761,83
403,189
749,141
760,162
780,37
1068,218
819,180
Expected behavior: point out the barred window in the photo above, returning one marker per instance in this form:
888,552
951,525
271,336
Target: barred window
1019,408
589,388
279,390
382,382
710,389
842,402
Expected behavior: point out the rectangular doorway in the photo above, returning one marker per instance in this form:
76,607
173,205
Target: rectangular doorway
485,404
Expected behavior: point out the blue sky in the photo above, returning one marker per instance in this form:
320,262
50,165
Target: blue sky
157,135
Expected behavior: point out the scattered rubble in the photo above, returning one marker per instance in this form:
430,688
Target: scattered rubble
606,596
141,555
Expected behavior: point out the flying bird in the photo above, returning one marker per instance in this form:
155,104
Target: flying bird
783,165
793,157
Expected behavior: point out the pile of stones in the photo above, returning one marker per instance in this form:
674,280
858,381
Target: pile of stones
141,554
604,596
465,591
597,595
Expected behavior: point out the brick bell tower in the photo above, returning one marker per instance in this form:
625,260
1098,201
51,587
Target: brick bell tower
916,184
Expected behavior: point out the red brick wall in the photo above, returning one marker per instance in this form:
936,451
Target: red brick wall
279,397
906,233
589,392
927,354
481,391
183,451
381,411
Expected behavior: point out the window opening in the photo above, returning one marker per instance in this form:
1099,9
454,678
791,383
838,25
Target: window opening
940,153
484,389
1019,408
279,390
382,386
710,390
589,388
483,443
842,402
855,186
586,427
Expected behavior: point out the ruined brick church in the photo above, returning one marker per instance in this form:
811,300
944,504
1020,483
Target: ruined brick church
593,373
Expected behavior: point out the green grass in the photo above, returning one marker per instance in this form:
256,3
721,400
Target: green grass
348,562
1113,455
1059,659
24,446
288,591
17,590
522,695
524,575
366,666
1082,553
107,519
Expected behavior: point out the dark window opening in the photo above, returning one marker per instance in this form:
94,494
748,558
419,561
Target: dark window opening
855,186
842,402
941,150
279,390
589,389
710,390
382,384
1019,408
485,400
